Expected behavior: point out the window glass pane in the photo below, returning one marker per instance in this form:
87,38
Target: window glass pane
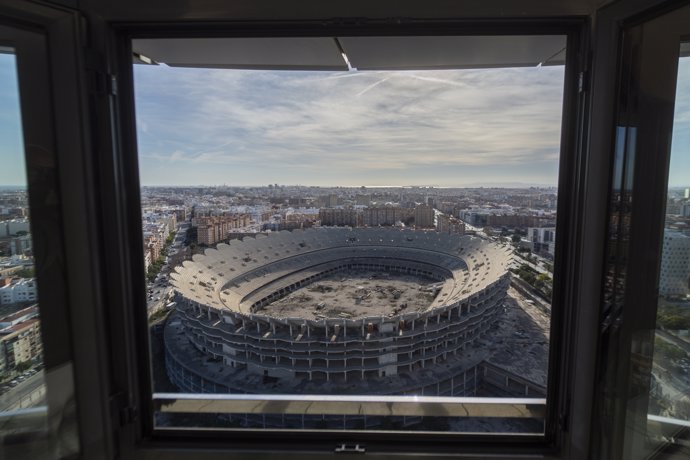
669,406
22,385
327,239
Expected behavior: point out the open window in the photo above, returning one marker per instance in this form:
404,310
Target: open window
352,235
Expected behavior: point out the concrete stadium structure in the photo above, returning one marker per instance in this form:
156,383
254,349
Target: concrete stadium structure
222,298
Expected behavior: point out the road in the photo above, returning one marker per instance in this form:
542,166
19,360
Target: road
159,292
518,260
674,340
25,389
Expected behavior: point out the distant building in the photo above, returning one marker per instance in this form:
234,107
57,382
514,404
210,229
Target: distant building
14,226
424,216
211,230
685,209
675,264
512,220
339,217
18,290
449,224
501,218
384,216
329,201
19,316
543,240
20,338
147,259
363,200
300,219
180,214
21,245
153,246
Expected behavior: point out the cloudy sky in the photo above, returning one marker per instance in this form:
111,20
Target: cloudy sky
444,128
679,173
12,170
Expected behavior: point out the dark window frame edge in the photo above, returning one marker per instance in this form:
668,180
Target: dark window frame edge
574,28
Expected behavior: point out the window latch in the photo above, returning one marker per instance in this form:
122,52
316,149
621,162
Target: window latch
350,449
123,414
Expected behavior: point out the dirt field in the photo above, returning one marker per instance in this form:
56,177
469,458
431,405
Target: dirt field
357,294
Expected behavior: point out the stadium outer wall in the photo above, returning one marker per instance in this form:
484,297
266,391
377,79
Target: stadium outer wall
387,354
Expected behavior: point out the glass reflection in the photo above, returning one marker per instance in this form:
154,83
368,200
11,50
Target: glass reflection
22,383
669,399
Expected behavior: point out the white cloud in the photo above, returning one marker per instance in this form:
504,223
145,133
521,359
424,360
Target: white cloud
375,120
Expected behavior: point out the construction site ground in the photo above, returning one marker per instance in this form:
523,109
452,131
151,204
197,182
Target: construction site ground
357,294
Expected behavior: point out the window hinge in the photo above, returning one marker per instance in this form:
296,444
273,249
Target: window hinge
112,84
350,449
122,412
582,83
102,81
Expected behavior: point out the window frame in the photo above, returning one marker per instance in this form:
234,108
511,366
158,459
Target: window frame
642,108
53,103
132,331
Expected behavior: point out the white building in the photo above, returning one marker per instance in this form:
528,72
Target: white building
675,264
12,227
685,209
543,239
23,290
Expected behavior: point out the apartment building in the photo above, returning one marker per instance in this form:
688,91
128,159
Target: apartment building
211,230
18,290
20,338
424,216
675,264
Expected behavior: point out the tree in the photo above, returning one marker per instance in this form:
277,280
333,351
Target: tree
22,366
674,322
516,239
668,350
26,273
